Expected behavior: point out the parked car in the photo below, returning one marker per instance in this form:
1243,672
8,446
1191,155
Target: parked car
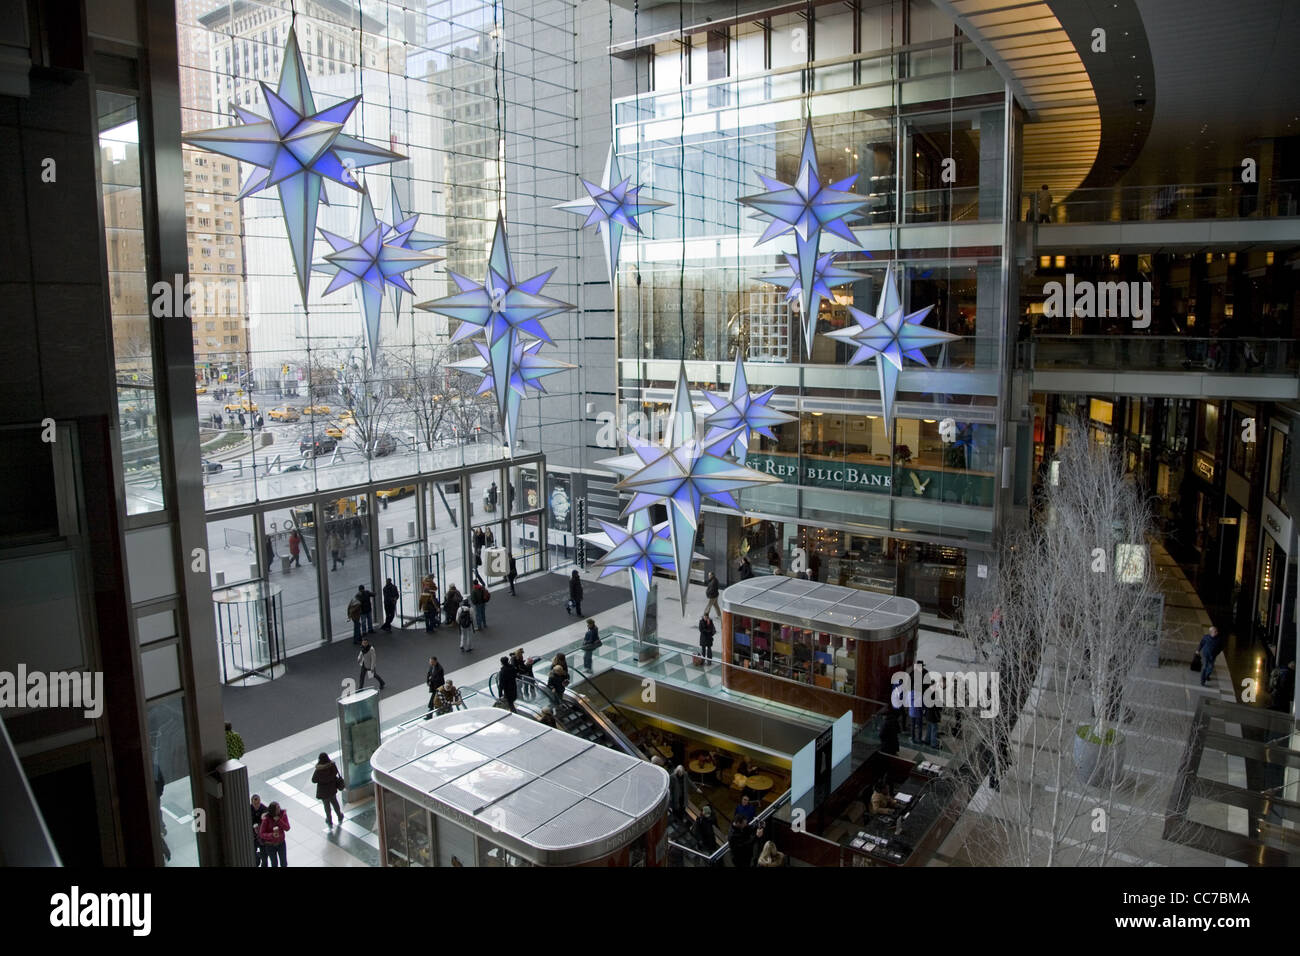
285,413
211,467
309,446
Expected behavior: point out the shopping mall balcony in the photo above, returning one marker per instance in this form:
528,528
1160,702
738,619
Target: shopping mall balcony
1162,366
1175,217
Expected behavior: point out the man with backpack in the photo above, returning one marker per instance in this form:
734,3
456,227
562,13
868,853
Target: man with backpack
433,679
451,603
466,622
366,622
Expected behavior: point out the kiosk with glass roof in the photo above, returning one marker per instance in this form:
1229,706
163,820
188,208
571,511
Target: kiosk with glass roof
485,787
818,646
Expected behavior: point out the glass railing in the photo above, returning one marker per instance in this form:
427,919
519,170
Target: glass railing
912,65
1172,353
1234,200
954,204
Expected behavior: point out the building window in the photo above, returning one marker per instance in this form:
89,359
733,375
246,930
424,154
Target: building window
1279,468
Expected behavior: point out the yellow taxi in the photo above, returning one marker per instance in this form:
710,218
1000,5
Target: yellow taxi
316,410
285,413
346,417
335,430
200,390
243,405
388,494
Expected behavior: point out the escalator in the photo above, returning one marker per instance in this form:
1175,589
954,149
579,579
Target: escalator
603,722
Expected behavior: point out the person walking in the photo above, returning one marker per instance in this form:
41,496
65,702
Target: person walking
390,604
547,717
451,603
328,782
492,496
433,679
711,589
558,678
512,574
465,620
741,840
336,550
234,743
258,809
507,682
1209,650
1044,204
295,546
575,593
447,698
707,630
430,607
706,840
677,792
524,674
274,825
478,599
366,658
916,713
933,717
367,598
746,570
354,615
270,552
590,641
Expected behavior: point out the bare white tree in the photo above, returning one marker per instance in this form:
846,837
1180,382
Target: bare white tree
1065,623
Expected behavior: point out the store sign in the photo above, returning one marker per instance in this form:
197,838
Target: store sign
823,474
1203,465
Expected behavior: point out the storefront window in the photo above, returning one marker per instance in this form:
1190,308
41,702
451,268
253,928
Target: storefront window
1279,468
1243,452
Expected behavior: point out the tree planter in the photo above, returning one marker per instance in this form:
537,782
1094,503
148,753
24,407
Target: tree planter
1098,762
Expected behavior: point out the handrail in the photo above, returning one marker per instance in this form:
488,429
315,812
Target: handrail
464,693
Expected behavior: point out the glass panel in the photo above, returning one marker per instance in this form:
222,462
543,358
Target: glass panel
171,772
347,539
232,555
395,828
129,300
293,535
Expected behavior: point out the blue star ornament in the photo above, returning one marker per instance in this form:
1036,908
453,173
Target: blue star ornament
681,474
400,232
639,549
807,208
611,206
504,307
743,412
889,336
528,369
371,263
825,275
295,149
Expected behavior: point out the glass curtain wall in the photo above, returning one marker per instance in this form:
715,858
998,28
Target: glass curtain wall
696,292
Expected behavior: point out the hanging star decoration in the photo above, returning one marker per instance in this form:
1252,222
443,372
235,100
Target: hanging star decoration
639,549
889,336
681,473
371,263
743,411
527,368
294,150
611,206
825,275
401,233
504,307
807,208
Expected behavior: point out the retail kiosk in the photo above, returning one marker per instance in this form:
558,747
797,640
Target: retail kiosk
485,787
821,647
